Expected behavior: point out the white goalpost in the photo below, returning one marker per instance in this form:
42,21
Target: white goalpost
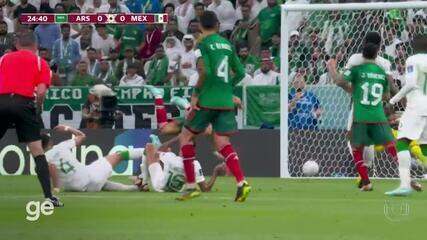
311,34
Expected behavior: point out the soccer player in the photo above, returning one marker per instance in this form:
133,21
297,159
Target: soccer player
67,172
165,171
369,85
212,103
413,124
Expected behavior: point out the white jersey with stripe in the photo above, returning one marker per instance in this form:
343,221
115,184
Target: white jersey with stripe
416,82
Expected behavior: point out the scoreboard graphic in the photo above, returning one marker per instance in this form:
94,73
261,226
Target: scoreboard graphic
95,18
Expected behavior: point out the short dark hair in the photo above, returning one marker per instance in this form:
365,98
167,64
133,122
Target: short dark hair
3,22
419,43
42,49
26,39
90,49
100,25
169,5
199,4
65,25
371,45
45,138
208,20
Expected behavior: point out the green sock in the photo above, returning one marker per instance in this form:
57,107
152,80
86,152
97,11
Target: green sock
124,154
424,149
402,145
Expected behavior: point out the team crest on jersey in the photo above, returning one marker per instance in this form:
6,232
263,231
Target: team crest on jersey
410,69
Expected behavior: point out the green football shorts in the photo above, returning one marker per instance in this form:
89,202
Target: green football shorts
223,121
365,134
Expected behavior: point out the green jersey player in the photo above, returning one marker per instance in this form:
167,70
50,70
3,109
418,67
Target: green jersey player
219,71
368,86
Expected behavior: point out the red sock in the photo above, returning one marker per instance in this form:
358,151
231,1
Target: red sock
232,162
391,149
360,165
161,114
189,154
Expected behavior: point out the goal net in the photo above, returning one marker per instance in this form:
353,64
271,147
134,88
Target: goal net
315,112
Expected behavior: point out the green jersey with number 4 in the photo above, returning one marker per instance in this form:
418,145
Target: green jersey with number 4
369,82
223,71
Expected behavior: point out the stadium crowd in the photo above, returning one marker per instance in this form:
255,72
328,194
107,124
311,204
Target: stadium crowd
163,54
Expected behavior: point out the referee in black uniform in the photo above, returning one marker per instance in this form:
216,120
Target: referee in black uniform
24,79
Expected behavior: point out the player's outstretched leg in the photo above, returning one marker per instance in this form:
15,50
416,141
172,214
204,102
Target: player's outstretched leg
181,103
161,114
404,159
188,153
232,161
365,184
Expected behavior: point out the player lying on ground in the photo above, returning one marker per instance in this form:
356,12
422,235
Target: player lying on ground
212,103
71,175
413,124
369,85
173,126
164,171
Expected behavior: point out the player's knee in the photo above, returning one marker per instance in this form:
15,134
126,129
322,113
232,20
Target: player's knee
35,148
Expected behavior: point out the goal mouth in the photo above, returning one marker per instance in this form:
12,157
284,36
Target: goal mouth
317,129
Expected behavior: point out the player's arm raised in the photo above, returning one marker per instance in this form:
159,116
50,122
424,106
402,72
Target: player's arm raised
411,75
79,136
337,77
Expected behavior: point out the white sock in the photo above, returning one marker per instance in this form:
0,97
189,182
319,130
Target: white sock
115,186
136,153
404,158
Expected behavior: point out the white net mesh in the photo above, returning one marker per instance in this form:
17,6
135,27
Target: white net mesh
318,120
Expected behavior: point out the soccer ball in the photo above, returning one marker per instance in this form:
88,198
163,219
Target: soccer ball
310,168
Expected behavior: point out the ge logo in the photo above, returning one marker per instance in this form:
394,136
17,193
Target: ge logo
34,208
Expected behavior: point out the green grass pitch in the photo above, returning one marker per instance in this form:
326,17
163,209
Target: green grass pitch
277,209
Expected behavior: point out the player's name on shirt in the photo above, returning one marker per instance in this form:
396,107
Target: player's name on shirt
373,75
216,46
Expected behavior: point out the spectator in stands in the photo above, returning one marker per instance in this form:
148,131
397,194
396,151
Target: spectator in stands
194,28
113,56
83,5
226,15
199,9
255,6
173,48
269,22
157,74
45,6
106,73
91,111
95,7
304,107
47,34
188,57
128,36
266,76
93,63
143,6
8,21
103,42
68,5
152,39
129,58
65,54
45,54
170,10
6,39
249,61
59,8
245,30
85,40
24,7
82,77
131,78
114,6
184,13
172,30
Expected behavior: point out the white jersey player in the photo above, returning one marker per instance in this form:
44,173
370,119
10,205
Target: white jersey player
71,175
413,123
164,171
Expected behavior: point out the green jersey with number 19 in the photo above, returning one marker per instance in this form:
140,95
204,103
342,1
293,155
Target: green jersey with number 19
369,83
223,71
